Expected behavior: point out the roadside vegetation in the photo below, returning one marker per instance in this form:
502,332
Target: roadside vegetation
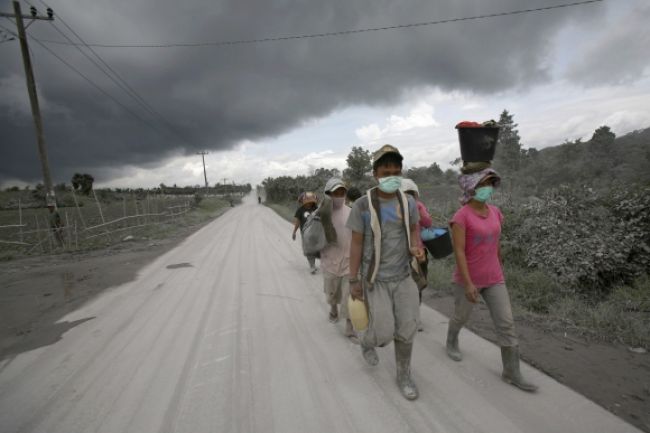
576,239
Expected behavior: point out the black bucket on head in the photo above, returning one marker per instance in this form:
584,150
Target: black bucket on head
477,144
440,247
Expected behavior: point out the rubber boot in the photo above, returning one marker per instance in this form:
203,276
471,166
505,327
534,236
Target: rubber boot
349,330
403,362
370,355
452,345
511,373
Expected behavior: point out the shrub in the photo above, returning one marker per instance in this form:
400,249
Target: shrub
533,290
589,240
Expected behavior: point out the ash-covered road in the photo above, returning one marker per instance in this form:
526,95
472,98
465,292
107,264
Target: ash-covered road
229,333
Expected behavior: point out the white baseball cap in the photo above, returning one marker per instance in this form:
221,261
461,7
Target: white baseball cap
409,185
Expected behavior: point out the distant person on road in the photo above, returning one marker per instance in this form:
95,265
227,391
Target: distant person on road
384,241
335,257
308,203
56,224
259,200
476,230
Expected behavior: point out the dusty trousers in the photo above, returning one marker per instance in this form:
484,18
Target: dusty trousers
337,290
393,310
498,301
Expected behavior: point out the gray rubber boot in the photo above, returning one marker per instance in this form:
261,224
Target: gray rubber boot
370,355
452,345
511,373
403,362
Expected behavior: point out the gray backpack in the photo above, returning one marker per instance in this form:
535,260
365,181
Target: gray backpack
313,235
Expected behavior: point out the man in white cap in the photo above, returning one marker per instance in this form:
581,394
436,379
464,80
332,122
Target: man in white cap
335,257
384,242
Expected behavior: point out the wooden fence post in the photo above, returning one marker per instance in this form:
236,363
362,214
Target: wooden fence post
68,240
38,234
20,219
47,233
76,203
101,215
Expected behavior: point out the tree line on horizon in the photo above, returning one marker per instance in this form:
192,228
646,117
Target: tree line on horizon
601,160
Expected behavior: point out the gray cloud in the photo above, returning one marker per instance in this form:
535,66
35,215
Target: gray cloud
215,96
620,53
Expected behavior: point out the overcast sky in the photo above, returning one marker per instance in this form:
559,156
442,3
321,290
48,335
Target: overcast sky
288,107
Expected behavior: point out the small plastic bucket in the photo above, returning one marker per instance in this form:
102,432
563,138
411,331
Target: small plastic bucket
477,144
358,314
440,246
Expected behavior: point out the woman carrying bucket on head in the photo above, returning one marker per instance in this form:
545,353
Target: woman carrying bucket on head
476,229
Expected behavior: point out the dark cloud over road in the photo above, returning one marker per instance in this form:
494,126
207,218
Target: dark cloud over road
216,96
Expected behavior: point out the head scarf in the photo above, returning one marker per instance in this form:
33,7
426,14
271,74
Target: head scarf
468,182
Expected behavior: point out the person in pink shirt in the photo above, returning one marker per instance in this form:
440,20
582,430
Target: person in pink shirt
335,257
409,187
476,230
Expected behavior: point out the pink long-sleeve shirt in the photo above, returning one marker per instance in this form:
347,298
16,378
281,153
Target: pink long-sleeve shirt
425,220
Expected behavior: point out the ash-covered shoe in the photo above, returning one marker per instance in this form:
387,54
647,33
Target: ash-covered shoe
370,355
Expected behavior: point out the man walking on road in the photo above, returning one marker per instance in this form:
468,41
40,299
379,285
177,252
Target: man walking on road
56,223
335,257
384,241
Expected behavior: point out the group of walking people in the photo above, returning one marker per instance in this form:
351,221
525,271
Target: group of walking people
375,254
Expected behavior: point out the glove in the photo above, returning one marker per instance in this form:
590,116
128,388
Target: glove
293,236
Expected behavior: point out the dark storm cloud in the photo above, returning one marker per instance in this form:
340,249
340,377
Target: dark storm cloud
619,54
215,96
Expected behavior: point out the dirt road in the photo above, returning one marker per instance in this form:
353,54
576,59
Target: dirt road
228,332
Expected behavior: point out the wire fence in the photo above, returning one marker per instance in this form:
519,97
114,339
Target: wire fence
37,231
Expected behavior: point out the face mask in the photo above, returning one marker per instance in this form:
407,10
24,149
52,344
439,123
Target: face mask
337,202
390,184
483,193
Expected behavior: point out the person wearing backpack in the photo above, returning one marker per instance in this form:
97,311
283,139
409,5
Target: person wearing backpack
384,244
335,257
308,201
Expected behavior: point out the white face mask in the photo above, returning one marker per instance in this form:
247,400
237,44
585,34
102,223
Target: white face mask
337,202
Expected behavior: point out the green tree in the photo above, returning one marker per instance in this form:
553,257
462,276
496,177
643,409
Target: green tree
359,163
602,141
435,170
82,183
508,151
600,151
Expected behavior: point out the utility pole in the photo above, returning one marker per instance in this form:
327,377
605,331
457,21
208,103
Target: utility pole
205,176
224,185
31,88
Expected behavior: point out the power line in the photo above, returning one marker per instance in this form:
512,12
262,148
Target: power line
92,83
337,33
6,37
115,77
9,31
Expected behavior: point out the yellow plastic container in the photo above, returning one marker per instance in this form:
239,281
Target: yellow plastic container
358,314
